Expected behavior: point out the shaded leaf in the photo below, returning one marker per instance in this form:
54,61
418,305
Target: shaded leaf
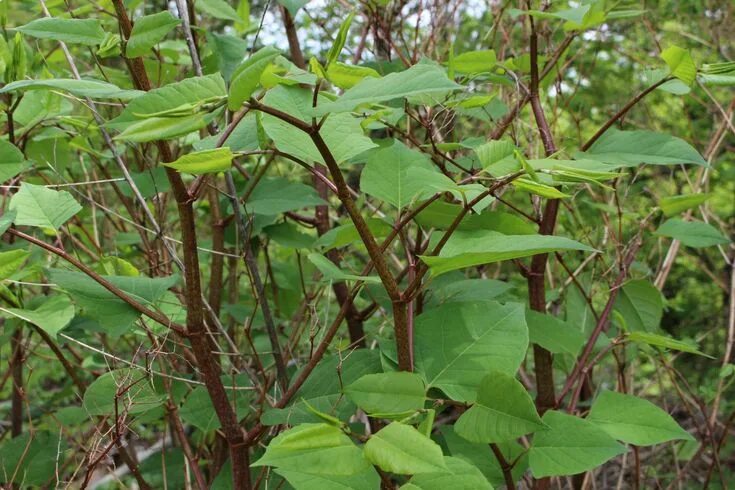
674,205
12,161
481,457
121,391
641,306
365,480
634,420
459,475
31,458
470,248
323,388
554,334
503,411
571,445
277,195
99,304
631,148
696,234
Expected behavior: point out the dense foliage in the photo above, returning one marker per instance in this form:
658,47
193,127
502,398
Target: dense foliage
424,244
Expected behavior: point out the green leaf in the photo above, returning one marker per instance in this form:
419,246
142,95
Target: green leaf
641,305
344,235
289,235
273,196
571,445
665,342
347,76
680,63
11,261
459,475
174,100
399,175
465,290
457,344
52,316
38,206
94,89
243,138
441,215
631,148
674,205
470,248
365,480
342,133
399,448
420,79
246,78
219,9
204,162
72,31
388,393
634,420
306,448
502,412
198,409
538,189
283,72
333,273
696,234
97,303
149,31
553,334
6,219
293,6
339,41
229,51
32,458
473,62
12,161
575,15
128,390
323,389
110,46
495,151
481,457
576,19
162,128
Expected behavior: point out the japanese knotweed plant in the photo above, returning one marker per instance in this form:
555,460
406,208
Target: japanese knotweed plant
317,248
